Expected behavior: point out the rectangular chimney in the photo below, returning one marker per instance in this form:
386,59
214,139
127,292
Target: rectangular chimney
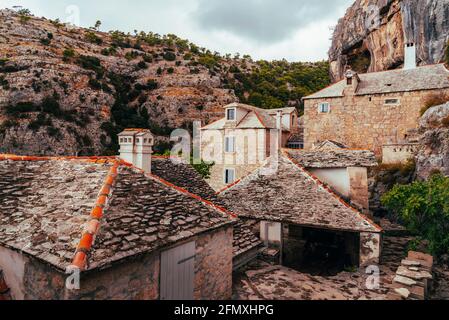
136,147
410,56
279,116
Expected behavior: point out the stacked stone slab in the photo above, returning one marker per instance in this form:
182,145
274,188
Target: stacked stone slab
413,279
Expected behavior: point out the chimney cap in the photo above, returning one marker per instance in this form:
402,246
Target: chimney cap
134,132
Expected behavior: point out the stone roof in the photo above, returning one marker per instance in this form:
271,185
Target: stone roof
92,212
400,80
183,175
334,158
255,118
293,195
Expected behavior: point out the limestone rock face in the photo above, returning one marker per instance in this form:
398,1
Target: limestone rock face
434,151
35,64
372,35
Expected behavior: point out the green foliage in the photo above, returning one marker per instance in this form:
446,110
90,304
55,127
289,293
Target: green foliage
209,61
120,39
4,83
93,38
203,168
142,65
24,15
169,56
424,208
91,63
68,54
279,83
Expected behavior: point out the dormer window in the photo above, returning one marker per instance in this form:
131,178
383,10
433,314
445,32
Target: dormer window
324,107
231,114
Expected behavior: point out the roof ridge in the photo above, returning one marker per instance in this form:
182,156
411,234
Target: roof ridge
96,159
179,189
81,258
317,181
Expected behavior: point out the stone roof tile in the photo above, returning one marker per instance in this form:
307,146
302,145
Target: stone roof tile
293,195
392,81
334,158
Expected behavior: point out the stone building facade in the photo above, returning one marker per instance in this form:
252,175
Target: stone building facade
241,142
368,111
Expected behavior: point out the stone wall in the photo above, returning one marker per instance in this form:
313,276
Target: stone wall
358,194
365,122
398,153
414,278
213,266
136,278
370,248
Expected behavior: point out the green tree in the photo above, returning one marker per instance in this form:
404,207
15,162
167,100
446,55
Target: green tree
97,25
424,208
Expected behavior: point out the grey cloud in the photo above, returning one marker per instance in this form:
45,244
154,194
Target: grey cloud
262,20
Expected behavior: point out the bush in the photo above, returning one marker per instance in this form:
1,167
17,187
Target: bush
95,84
142,65
93,38
91,63
169,56
170,70
424,208
203,168
433,101
152,84
68,54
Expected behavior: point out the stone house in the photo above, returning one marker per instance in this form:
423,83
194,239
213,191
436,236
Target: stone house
346,171
369,111
302,218
130,233
240,142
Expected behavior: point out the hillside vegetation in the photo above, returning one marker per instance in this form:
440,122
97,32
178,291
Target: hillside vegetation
68,90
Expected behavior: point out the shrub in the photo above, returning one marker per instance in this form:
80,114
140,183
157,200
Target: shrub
170,70
203,168
159,71
433,101
94,84
24,15
4,83
169,56
142,65
93,38
424,208
91,63
152,84
68,54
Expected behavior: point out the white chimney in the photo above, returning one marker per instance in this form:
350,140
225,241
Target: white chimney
410,56
136,147
279,115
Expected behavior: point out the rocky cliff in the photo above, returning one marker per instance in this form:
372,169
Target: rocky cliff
373,33
68,91
433,155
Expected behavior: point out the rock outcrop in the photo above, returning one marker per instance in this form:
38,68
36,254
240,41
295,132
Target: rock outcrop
433,155
373,33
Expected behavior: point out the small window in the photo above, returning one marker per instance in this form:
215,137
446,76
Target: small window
229,144
145,140
349,81
229,176
324,107
230,114
137,140
392,101
121,140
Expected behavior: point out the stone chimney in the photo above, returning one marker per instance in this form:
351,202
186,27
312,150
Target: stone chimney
410,56
136,147
279,128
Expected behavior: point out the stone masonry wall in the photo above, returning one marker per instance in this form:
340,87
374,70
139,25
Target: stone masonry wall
358,181
370,248
138,278
364,122
213,266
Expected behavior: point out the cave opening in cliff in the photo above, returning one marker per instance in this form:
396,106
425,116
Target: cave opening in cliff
360,61
320,252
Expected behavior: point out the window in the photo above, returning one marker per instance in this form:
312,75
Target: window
230,114
295,145
392,101
324,107
229,144
229,176
137,140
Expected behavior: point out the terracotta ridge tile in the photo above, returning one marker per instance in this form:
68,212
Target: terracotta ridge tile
326,188
94,159
80,260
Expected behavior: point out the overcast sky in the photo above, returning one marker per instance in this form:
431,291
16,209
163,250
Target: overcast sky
297,30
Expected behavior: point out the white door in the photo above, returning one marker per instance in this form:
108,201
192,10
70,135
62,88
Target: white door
177,272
